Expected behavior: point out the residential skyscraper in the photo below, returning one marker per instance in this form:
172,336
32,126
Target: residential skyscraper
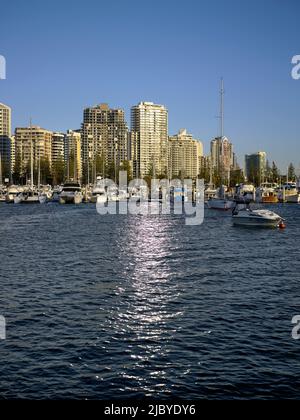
105,136
58,147
255,167
73,157
5,139
149,137
184,155
41,141
222,157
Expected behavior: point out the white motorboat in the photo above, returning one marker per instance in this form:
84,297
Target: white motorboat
220,204
210,193
221,200
245,193
98,193
289,193
71,193
245,216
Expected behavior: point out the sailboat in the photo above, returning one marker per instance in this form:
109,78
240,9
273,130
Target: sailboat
219,201
2,188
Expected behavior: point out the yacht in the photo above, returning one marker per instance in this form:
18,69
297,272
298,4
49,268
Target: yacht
220,202
289,193
245,193
71,193
245,216
98,195
267,193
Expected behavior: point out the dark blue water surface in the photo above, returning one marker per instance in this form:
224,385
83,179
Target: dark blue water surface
118,306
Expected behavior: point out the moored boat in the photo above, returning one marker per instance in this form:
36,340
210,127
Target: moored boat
71,193
245,216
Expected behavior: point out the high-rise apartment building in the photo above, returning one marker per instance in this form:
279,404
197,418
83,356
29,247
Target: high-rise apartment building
184,155
36,137
149,139
5,140
222,157
72,155
255,167
58,147
104,135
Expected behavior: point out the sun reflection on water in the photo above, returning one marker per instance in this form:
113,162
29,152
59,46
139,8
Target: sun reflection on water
145,320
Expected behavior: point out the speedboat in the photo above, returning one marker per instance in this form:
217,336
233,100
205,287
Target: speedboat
246,216
71,193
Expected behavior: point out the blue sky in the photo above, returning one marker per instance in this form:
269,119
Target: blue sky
65,55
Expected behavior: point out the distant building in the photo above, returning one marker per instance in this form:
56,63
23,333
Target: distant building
222,157
204,165
58,147
12,153
184,155
104,135
255,167
72,154
149,139
5,140
41,142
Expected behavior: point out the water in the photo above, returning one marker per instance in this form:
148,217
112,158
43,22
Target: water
103,307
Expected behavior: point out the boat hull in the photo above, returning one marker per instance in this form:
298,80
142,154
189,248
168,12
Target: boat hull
269,200
218,204
241,221
71,199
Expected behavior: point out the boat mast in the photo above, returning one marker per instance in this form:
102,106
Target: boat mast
31,155
222,108
0,169
39,173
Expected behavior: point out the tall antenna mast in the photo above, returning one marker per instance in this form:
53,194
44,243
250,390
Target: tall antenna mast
31,155
222,108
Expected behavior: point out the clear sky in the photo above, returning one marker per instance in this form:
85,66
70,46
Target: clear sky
65,55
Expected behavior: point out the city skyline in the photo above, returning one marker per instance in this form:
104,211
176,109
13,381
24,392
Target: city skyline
125,63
